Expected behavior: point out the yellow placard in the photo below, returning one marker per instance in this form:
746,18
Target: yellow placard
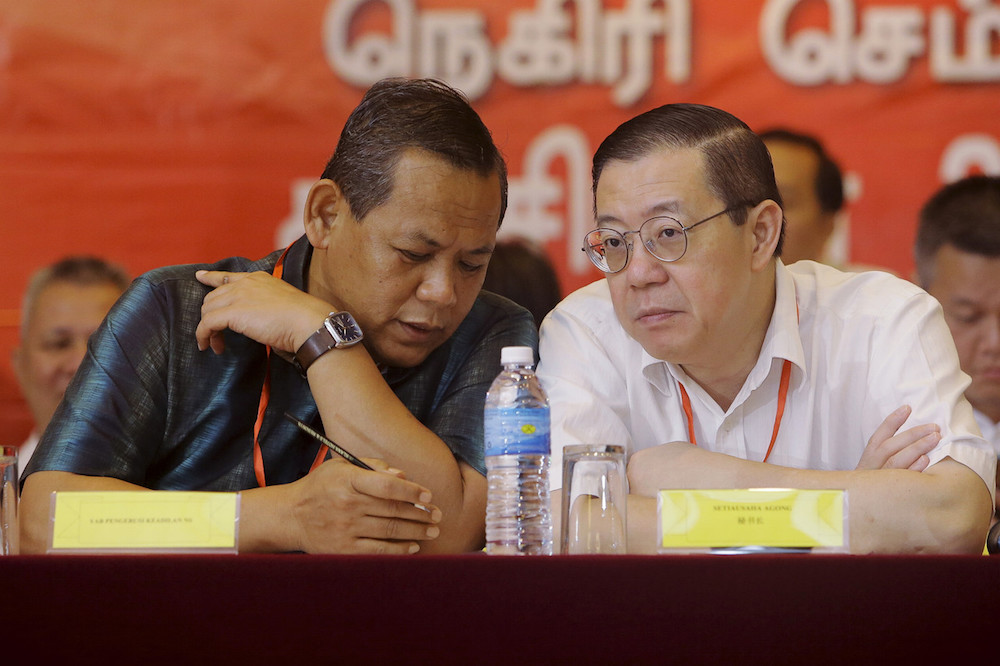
767,518
144,521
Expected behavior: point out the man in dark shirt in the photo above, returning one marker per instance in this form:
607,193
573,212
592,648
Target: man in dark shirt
399,231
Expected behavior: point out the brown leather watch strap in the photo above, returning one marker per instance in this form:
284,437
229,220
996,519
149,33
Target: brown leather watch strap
315,346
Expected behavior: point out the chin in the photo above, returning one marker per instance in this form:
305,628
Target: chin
657,349
406,357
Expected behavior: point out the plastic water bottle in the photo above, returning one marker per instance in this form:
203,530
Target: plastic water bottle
516,424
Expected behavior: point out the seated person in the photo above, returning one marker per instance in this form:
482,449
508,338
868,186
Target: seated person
63,304
719,367
958,262
189,377
812,192
520,271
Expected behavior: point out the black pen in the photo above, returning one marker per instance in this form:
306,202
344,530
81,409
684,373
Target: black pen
342,452
339,450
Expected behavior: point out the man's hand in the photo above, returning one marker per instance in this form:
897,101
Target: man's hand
259,306
340,508
650,470
906,450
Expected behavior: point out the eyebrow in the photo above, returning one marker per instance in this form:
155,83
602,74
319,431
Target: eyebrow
964,301
421,237
672,207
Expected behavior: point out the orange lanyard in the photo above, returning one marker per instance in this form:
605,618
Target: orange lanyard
265,397
786,371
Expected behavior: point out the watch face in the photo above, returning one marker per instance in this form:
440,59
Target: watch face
344,329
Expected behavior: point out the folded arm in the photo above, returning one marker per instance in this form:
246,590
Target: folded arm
944,509
338,508
368,419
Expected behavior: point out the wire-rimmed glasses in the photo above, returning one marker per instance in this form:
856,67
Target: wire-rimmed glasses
663,237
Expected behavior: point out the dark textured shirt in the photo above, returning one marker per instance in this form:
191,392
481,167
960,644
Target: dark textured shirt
147,407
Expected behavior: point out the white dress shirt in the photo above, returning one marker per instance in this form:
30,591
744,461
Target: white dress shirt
990,430
24,453
863,344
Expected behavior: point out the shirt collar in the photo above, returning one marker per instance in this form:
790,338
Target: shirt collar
295,272
781,341
297,263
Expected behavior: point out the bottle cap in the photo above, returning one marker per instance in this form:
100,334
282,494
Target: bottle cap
519,355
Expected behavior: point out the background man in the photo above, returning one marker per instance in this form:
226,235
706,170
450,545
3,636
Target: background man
399,232
63,304
958,261
812,192
798,376
521,271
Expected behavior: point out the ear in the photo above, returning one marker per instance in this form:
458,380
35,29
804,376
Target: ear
325,207
765,219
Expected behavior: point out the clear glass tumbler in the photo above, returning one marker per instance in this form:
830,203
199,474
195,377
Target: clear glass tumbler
9,491
595,490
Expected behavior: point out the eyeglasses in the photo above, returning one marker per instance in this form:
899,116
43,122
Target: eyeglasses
663,237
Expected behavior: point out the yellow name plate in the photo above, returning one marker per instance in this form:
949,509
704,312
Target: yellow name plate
148,521
752,520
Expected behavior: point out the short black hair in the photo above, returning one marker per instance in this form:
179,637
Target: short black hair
521,271
738,167
965,214
829,179
396,114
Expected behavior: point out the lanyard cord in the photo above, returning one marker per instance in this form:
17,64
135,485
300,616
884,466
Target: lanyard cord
265,397
786,371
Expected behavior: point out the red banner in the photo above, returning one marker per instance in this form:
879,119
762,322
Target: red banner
159,132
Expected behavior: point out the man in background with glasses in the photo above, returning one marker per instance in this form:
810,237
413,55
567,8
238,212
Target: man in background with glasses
719,367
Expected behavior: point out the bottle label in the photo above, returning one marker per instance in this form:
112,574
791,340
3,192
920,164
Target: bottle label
512,430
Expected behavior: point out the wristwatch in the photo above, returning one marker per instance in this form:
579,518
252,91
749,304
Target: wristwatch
338,330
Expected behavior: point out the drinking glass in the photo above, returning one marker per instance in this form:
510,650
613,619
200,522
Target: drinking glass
594,489
8,500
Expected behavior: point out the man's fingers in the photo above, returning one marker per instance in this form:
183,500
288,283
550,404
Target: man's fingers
382,547
890,449
890,425
909,455
397,529
207,337
217,278
920,464
388,486
380,465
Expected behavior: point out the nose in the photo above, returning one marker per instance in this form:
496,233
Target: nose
991,333
643,268
73,357
437,286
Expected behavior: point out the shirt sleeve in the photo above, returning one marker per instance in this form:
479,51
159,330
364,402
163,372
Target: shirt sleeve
110,406
585,386
915,362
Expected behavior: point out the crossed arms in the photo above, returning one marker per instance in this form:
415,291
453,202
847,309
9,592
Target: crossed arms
943,509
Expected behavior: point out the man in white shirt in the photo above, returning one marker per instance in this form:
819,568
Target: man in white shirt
700,335
958,261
